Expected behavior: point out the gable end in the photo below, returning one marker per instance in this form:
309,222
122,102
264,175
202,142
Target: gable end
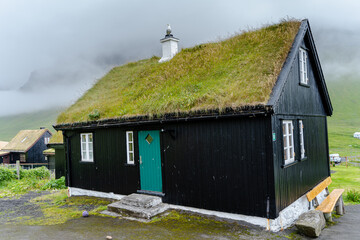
304,34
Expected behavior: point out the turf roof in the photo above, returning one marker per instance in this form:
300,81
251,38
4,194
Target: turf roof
239,71
24,140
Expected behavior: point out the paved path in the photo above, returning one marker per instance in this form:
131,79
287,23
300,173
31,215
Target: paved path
346,227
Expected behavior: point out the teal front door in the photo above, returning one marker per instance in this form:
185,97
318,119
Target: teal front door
150,161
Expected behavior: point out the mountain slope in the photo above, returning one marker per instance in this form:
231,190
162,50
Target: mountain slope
345,98
11,125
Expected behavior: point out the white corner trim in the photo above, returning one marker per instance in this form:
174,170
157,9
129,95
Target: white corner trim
287,216
83,192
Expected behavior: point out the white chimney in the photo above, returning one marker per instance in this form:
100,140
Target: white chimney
169,46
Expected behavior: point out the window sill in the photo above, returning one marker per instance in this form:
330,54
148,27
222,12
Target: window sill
129,164
86,162
289,164
304,85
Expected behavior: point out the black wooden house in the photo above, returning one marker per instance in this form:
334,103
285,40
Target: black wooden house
251,155
27,146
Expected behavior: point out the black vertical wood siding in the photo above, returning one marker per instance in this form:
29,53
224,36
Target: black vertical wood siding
297,99
214,164
294,181
219,165
35,153
109,171
305,103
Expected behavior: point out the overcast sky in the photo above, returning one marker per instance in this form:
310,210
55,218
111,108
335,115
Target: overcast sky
53,51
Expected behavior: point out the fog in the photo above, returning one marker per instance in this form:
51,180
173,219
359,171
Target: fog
51,52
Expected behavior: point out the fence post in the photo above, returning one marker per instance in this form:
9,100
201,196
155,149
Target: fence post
18,168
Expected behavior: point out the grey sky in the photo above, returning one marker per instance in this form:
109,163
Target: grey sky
63,46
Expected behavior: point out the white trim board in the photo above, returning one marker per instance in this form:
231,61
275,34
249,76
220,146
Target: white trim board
287,216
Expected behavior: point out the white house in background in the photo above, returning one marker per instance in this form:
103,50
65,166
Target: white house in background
357,135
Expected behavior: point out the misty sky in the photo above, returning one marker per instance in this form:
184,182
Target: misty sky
53,51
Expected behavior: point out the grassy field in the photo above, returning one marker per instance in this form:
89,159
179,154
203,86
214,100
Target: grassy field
347,178
345,98
11,125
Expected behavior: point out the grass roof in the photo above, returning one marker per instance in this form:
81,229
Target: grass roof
49,151
239,71
57,138
24,140
3,144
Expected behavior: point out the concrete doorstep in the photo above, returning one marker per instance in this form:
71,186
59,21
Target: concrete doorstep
137,206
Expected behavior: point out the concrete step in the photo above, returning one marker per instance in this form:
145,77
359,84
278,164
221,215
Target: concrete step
139,206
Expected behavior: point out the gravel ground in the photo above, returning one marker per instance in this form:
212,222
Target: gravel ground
13,209
96,227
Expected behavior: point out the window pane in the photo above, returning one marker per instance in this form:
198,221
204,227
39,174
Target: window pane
149,138
90,147
284,128
130,147
130,136
83,156
131,157
285,154
291,153
83,146
285,142
83,138
90,137
289,128
290,142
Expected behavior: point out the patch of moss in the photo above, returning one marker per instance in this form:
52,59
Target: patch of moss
58,208
187,222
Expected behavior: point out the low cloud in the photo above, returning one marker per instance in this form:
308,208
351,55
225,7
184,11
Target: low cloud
53,51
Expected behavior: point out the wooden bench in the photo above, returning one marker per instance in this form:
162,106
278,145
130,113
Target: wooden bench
333,199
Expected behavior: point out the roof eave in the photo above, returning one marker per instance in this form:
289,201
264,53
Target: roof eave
169,117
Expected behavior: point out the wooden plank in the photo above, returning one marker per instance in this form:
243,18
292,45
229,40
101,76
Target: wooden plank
327,206
316,190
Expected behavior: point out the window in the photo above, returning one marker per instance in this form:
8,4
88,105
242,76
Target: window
303,66
301,135
46,140
288,141
130,147
87,154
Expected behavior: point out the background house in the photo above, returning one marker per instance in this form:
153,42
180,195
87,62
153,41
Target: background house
28,146
235,126
3,153
56,154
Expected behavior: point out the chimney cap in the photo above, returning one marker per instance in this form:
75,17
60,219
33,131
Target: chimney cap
168,30
168,34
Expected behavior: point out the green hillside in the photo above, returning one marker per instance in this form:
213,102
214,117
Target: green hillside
11,125
345,97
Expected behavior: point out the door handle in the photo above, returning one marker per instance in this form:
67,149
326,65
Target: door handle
140,160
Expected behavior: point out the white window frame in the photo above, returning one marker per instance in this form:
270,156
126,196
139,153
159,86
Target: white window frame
301,136
130,142
304,79
85,153
46,140
288,141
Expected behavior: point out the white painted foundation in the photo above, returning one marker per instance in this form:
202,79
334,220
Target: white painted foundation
287,216
83,192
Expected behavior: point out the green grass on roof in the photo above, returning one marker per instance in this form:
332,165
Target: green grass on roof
57,137
238,71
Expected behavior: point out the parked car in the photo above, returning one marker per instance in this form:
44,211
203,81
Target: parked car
335,157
